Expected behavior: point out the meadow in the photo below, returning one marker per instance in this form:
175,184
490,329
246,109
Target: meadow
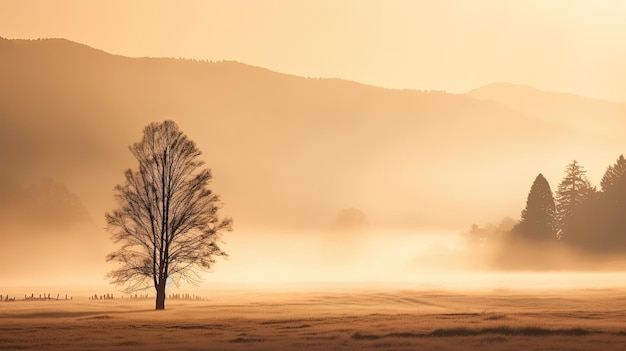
325,319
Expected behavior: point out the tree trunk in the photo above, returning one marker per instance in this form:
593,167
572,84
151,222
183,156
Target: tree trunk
160,295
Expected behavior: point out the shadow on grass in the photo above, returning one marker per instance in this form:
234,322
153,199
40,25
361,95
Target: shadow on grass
449,332
525,331
301,326
67,314
289,321
246,340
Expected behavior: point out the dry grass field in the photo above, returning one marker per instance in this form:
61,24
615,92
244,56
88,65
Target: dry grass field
363,319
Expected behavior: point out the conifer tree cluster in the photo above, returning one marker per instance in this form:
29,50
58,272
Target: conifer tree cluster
578,215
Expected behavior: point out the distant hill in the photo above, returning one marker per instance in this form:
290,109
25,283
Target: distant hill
45,232
43,205
290,152
581,113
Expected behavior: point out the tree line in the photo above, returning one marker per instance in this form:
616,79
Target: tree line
577,214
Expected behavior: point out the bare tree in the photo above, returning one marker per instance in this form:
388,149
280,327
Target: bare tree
167,218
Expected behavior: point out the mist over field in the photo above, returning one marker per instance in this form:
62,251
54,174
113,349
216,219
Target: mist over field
312,175
289,154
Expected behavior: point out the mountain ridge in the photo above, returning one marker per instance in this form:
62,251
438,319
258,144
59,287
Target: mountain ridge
528,89
316,144
474,92
578,111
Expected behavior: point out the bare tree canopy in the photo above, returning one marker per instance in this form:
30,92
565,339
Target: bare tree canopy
167,221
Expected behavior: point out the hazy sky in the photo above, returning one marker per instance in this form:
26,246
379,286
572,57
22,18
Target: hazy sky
454,45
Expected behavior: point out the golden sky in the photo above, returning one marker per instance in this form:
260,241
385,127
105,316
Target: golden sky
573,46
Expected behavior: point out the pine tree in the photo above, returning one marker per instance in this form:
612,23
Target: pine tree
573,191
614,179
538,221
612,205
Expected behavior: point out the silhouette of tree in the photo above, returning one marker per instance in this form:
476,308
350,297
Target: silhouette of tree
613,182
351,219
572,192
167,217
611,221
538,219
478,238
342,241
587,226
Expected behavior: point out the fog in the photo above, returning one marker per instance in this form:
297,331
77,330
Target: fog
289,155
289,260
375,157
425,260
282,258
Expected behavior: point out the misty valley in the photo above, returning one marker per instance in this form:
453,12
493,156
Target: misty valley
160,203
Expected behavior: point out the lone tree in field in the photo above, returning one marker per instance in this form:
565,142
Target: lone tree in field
538,220
167,217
